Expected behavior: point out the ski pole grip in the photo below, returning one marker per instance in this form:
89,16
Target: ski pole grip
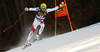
4,31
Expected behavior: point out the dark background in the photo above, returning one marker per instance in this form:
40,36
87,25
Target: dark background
82,13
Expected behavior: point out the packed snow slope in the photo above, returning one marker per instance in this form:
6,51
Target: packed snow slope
76,41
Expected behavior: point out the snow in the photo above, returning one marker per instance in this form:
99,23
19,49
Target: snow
86,39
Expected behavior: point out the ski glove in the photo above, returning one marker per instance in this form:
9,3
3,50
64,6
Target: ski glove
62,3
26,9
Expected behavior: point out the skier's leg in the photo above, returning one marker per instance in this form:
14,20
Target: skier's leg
42,25
29,37
34,26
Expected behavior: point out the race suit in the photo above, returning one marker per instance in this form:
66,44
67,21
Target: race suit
39,20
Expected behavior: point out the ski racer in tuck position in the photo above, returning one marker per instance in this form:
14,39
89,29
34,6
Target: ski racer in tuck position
39,19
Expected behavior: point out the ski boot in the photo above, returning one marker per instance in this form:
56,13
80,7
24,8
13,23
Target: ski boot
27,43
38,37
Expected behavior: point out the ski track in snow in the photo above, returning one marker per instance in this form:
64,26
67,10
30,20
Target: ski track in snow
86,39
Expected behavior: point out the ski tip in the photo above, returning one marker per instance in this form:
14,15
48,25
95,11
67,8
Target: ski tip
26,46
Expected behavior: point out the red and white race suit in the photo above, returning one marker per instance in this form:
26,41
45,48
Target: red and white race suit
39,20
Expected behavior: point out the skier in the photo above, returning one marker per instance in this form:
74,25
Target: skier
39,19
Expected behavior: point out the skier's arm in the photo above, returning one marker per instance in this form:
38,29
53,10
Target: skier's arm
31,9
52,9
57,7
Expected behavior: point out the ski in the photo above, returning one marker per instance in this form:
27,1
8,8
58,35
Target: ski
26,46
36,40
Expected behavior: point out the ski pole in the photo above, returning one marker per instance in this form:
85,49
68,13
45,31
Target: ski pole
14,23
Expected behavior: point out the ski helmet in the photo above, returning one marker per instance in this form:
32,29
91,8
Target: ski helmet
43,5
